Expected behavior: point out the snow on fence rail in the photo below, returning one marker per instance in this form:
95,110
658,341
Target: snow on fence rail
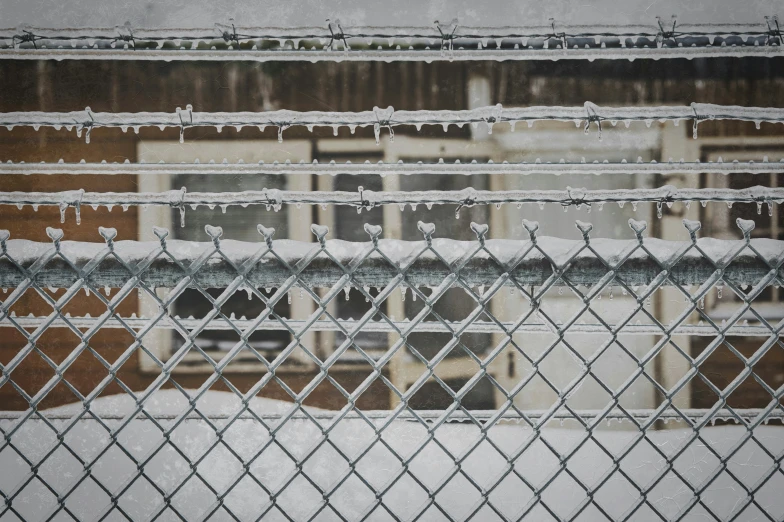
458,463
368,199
440,41
763,166
388,118
376,263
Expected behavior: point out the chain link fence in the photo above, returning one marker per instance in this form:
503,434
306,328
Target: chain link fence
167,452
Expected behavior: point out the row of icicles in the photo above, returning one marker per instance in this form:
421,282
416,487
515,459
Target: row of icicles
384,122
370,205
479,290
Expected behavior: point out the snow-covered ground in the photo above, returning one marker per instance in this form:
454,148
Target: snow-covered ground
432,466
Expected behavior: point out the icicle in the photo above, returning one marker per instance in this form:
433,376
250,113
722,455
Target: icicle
107,290
347,290
288,296
402,293
658,209
702,303
759,208
718,291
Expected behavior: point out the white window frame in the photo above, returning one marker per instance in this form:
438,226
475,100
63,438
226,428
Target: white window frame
159,341
748,148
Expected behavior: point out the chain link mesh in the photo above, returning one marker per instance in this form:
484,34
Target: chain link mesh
249,460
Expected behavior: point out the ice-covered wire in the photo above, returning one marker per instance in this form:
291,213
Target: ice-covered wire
399,55
87,120
763,166
367,199
438,41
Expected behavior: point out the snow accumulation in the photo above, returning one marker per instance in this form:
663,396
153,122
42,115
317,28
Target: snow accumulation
433,467
424,267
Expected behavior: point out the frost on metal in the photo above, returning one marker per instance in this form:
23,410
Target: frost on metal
449,40
222,166
378,119
378,262
263,458
368,199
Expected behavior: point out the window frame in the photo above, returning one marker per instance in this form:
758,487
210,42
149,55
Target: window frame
160,341
744,148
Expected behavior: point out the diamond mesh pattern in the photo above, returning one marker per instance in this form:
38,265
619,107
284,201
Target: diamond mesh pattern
457,463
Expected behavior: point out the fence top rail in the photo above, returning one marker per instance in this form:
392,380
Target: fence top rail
389,118
375,263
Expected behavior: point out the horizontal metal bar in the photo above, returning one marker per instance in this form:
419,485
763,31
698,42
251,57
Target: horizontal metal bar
386,118
333,168
423,266
368,198
693,414
166,323
397,55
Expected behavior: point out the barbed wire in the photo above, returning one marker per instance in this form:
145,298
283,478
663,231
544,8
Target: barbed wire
450,40
87,120
368,199
400,55
441,167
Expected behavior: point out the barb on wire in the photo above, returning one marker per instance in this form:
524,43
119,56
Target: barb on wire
665,34
773,35
336,33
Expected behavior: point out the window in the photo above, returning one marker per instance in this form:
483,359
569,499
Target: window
238,223
720,220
